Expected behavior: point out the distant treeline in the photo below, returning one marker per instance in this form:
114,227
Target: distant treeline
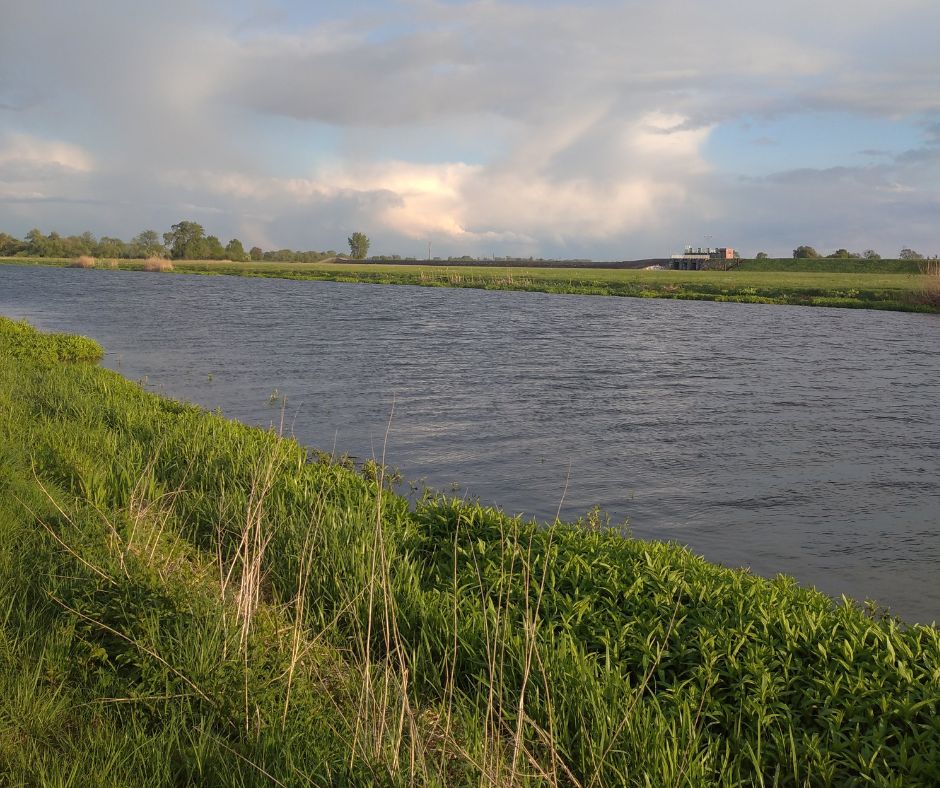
185,240
513,262
834,265
809,253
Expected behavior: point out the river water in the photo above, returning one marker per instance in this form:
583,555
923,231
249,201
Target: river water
791,440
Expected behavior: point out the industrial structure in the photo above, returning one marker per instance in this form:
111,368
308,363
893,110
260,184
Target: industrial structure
699,259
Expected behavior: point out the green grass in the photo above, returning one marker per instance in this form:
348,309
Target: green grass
833,265
186,600
19,340
891,285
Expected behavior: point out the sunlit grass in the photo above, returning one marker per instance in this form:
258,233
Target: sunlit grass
186,600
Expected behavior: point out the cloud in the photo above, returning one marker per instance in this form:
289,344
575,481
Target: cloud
539,192
569,128
25,157
36,170
885,206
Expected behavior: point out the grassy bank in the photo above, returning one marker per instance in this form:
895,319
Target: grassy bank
189,600
761,282
829,265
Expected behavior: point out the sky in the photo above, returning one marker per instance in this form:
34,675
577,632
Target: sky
591,129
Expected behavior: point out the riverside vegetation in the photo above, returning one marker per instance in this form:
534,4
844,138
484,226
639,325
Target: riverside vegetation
188,600
892,285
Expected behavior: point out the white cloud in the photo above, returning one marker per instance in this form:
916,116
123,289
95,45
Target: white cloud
519,200
33,169
589,121
34,157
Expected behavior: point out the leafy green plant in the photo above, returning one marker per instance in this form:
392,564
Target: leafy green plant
197,601
21,341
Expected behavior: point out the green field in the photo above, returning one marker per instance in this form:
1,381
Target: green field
860,289
833,265
188,601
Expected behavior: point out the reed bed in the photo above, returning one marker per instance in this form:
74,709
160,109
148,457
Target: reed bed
83,261
156,264
191,601
930,287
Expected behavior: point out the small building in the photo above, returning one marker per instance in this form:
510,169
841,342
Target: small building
700,259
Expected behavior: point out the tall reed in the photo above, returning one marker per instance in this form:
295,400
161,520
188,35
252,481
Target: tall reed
157,264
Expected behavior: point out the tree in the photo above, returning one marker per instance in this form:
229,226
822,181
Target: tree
111,248
213,249
36,244
871,254
910,254
842,254
9,245
281,256
256,253
761,256
186,241
358,245
85,243
55,245
147,244
235,251
805,253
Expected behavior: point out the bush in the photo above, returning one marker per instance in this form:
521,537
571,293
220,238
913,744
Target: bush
157,264
83,261
805,252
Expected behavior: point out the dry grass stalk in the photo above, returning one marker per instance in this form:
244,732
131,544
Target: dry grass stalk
157,264
246,570
303,580
254,540
388,720
83,261
930,289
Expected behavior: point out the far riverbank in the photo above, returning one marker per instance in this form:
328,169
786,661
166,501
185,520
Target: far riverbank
753,282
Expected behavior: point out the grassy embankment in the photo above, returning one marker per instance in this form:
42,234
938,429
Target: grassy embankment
893,284
189,600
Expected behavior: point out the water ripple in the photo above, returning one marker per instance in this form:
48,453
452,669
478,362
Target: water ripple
784,439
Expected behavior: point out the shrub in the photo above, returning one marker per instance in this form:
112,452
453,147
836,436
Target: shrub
805,253
83,261
157,264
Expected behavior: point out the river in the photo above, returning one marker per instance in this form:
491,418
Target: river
791,440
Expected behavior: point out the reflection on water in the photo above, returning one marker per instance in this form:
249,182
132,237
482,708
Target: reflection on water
786,439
